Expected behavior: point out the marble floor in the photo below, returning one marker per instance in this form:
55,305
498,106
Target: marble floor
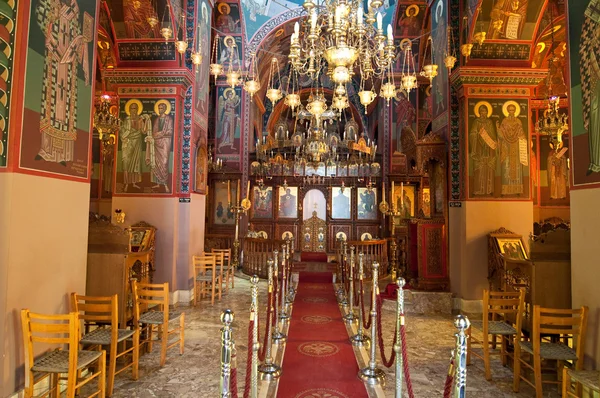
196,372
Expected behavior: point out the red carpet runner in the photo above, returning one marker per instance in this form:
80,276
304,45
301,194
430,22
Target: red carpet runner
319,359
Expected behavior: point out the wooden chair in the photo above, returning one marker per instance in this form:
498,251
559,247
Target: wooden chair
580,378
207,279
59,329
503,317
229,268
559,335
156,297
100,316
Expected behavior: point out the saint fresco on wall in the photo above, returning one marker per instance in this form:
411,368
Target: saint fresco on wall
410,20
510,20
58,89
439,24
228,18
145,152
584,22
228,119
404,117
131,21
262,202
201,162
367,204
498,148
201,71
225,195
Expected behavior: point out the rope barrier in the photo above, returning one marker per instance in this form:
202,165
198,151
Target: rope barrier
248,363
387,363
367,321
449,379
263,350
409,386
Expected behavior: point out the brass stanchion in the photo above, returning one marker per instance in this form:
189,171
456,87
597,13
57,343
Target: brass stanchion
398,346
340,290
350,317
289,299
372,374
269,370
278,335
360,339
255,343
283,314
226,353
461,323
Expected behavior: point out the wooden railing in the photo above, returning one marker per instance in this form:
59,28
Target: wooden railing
256,252
374,250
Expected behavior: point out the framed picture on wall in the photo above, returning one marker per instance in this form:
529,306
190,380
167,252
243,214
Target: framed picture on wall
340,203
225,192
262,202
512,248
288,202
367,204
404,200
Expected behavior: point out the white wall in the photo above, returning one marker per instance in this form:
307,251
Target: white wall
43,256
585,266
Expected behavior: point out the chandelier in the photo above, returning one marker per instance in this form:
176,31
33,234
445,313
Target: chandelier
214,165
105,122
553,123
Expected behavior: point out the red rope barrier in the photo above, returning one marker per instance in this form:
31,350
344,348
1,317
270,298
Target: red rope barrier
263,350
449,380
387,363
366,315
233,388
248,362
409,386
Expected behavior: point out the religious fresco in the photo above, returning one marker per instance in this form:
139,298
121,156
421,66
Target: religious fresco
439,35
410,20
367,204
425,102
224,195
498,149
262,202
510,20
584,22
228,120
404,121
228,18
145,146
130,17
201,162
58,89
202,71
230,50
400,61
340,203
8,23
404,200
288,202
553,166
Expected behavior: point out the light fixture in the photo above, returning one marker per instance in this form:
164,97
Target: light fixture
182,45
450,57
429,70
106,122
252,84
409,74
274,94
216,69
166,30
214,165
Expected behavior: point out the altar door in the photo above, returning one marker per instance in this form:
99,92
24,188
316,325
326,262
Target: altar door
314,227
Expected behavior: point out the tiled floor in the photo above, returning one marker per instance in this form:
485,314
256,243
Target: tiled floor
196,373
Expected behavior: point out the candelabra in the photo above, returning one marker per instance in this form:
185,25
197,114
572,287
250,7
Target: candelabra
240,208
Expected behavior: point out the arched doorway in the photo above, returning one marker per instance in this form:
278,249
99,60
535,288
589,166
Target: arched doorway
314,226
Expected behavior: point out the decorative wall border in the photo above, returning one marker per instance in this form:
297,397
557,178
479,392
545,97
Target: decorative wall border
9,21
147,90
124,76
272,24
501,91
498,76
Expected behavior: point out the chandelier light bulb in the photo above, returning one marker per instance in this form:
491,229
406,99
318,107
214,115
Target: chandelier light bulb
196,58
292,100
450,61
274,94
341,74
379,20
152,21
166,33
390,34
359,16
181,46
252,86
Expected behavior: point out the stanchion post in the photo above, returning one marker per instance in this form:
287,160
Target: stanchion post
269,370
350,317
372,374
398,346
360,339
283,314
461,323
226,352
342,294
255,343
278,335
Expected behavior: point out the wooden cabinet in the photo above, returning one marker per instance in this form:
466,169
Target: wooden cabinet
544,272
115,257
